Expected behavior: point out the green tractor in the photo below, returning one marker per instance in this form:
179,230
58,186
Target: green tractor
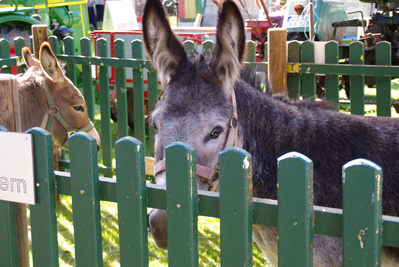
63,18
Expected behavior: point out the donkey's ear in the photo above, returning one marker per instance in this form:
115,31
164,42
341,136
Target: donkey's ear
163,48
30,61
229,49
50,64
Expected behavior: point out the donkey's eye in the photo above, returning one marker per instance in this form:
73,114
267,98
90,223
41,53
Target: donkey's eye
155,127
216,132
79,108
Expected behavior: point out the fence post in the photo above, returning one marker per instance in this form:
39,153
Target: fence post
251,51
20,209
236,207
189,47
43,215
106,137
277,56
356,82
5,53
181,184
121,90
383,57
294,78
8,232
295,210
40,35
53,41
362,213
138,93
85,191
19,44
152,76
132,202
332,80
308,80
207,47
70,69
87,80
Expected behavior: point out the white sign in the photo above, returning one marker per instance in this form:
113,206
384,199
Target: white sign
17,181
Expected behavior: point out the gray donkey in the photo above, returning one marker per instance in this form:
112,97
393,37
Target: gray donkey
207,105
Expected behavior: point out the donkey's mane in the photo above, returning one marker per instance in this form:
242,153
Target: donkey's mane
28,81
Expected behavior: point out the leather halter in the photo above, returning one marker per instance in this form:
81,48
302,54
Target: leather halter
206,172
54,112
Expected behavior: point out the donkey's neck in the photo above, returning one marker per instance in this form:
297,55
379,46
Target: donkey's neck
269,129
32,101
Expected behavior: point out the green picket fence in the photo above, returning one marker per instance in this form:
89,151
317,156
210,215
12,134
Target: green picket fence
300,80
295,216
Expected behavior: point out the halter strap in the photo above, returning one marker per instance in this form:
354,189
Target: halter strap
206,172
53,111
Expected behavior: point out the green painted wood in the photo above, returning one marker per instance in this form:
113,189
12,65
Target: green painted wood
19,44
332,80
266,52
132,200
189,47
251,51
308,80
383,57
107,61
362,213
70,69
390,233
43,217
152,77
207,47
85,191
356,83
31,42
312,68
328,221
8,235
346,69
8,231
87,80
106,137
8,62
182,206
295,210
121,89
53,41
294,79
5,53
138,93
235,207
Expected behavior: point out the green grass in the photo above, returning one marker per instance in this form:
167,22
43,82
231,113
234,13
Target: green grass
370,93
208,239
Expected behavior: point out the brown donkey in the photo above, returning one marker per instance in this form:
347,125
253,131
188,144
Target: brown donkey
48,99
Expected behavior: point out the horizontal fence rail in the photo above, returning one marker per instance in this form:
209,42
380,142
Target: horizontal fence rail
235,207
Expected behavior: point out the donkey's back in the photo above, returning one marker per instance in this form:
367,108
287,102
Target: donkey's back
330,139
